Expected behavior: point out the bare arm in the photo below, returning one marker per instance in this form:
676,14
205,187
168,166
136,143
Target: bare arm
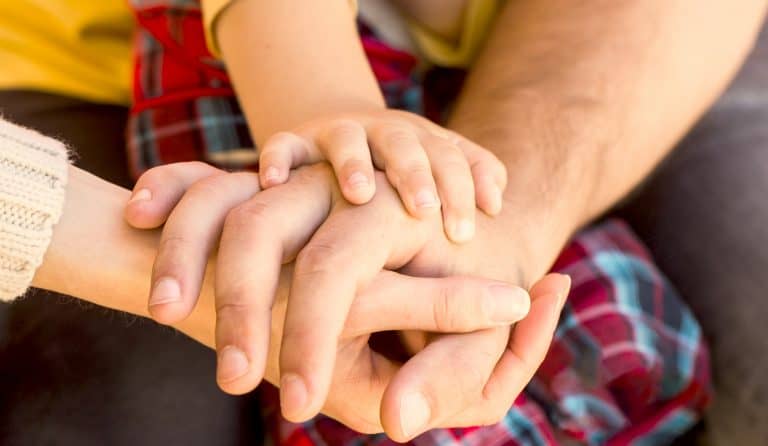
581,100
94,255
293,60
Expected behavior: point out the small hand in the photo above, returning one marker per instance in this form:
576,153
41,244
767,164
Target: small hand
427,164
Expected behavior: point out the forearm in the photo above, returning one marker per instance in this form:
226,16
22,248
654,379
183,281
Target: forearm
95,256
291,61
581,102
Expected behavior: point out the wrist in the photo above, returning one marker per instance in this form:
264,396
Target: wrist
93,254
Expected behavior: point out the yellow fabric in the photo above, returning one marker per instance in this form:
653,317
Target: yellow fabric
477,20
212,9
80,48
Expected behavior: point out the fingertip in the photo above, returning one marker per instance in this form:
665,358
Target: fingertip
139,211
165,301
399,403
294,398
415,414
508,304
358,188
272,176
491,203
425,202
553,284
236,373
461,230
140,195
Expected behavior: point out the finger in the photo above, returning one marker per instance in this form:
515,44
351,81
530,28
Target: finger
345,145
528,345
188,238
489,176
258,237
282,152
339,259
455,186
397,150
159,189
532,336
447,305
440,381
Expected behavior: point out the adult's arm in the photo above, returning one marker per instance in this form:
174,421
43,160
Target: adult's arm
581,100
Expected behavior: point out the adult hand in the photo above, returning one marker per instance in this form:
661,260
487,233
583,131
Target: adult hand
208,202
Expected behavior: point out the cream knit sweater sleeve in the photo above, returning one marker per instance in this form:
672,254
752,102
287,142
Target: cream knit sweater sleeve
33,176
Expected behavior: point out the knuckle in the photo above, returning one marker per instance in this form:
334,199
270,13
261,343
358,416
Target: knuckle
445,147
449,314
455,167
418,168
247,216
400,138
204,188
298,334
171,244
171,259
278,139
235,305
316,258
343,128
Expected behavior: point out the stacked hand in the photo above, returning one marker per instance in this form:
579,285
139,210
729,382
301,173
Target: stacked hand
341,251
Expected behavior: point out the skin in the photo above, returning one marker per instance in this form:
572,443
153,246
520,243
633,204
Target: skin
93,249
342,116
253,229
579,101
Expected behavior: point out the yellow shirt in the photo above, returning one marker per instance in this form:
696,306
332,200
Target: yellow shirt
79,48
478,18
82,48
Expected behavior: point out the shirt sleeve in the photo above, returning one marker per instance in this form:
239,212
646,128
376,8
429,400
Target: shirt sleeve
33,177
212,10
478,17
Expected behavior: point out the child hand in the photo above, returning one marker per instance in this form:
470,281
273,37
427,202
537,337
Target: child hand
426,163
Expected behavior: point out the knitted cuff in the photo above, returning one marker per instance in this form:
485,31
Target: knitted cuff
33,176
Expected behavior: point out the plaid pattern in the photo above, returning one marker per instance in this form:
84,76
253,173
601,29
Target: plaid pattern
184,107
628,364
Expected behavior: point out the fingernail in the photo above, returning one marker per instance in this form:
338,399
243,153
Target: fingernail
463,231
232,364
426,199
508,304
141,195
414,413
356,180
166,290
272,174
293,395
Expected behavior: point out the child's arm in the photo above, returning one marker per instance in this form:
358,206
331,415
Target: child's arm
292,61
300,67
